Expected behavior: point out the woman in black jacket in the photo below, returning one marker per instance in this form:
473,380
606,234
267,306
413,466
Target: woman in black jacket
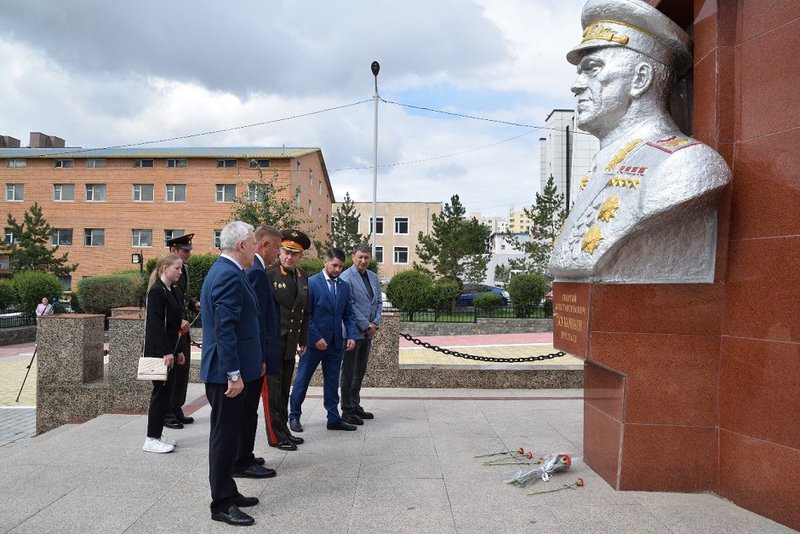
163,325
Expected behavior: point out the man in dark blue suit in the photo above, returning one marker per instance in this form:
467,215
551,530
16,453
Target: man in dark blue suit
330,317
232,362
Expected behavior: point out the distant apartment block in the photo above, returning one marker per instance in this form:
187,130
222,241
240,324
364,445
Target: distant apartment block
397,227
565,151
106,204
518,223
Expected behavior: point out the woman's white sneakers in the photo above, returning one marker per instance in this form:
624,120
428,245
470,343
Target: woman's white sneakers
158,446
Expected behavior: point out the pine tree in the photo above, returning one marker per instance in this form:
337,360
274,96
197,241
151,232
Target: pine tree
264,203
31,250
456,248
547,216
344,227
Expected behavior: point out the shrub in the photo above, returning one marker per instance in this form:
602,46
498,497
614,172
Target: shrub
442,294
488,300
98,294
527,291
8,295
311,266
409,290
199,265
32,286
548,308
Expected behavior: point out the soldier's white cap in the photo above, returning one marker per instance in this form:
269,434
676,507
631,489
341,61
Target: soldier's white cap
636,25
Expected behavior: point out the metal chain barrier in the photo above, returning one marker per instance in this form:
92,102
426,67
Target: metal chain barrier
457,354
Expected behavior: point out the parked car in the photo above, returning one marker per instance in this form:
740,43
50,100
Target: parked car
470,291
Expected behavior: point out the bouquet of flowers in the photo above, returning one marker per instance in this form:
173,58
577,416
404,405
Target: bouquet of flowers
551,464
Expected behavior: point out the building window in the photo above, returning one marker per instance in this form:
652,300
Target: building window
226,163
175,163
217,235
171,234
400,254
256,192
226,192
15,192
176,193
63,164
66,282
259,163
310,176
141,238
319,188
63,192
401,225
379,254
309,207
95,192
95,163
319,213
10,238
378,225
16,163
142,192
61,237
297,198
143,163
94,237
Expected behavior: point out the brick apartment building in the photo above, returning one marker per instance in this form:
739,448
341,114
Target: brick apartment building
106,204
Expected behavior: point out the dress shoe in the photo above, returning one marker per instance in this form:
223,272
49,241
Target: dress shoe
341,425
364,415
353,419
296,440
173,424
295,425
233,516
244,502
183,419
259,460
285,446
255,471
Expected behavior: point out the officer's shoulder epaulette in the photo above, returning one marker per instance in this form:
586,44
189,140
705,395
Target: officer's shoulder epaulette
673,143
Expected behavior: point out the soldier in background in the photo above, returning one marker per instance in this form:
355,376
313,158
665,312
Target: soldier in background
291,290
182,246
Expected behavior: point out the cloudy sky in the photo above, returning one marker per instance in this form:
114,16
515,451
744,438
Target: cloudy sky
100,73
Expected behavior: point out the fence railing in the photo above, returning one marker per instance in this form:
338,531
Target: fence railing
470,314
17,319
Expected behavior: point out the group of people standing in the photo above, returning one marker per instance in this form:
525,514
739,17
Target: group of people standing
258,315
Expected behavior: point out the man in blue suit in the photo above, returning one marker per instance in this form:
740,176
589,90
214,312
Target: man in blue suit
232,362
331,316
365,294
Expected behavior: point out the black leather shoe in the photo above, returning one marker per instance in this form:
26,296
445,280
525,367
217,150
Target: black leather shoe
255,471
365,415
353,419
295,425
183,419
173,424
233,516
341,425
285,446
259,460
244,502
296,440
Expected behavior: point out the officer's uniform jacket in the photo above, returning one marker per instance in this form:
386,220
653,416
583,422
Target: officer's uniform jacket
292,295
645,213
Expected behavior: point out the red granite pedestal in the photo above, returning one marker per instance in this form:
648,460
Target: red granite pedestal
651,376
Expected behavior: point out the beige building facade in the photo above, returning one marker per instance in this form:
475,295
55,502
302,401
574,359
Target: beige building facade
398,226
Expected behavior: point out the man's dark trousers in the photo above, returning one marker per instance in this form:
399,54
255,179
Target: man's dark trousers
331,364
223,444
247,440
354,367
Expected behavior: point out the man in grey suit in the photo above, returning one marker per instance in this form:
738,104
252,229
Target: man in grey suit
365,295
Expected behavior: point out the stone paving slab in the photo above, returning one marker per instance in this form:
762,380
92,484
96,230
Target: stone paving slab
411,469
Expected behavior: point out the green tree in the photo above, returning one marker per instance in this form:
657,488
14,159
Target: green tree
410,290
31,250
502,273
527,292
264,202
456,247
344,228
547,215
31,286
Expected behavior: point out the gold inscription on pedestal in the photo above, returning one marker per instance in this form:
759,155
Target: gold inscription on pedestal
570,318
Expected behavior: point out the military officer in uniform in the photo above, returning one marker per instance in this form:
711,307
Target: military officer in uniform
175,418
646,212
291,291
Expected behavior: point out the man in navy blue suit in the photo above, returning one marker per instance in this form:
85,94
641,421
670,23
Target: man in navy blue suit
330,317
232,362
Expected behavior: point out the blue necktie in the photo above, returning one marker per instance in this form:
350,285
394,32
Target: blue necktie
332,282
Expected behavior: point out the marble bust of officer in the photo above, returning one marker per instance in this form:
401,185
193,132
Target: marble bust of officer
646,212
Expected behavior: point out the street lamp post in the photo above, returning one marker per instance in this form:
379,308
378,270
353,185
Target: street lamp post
376,67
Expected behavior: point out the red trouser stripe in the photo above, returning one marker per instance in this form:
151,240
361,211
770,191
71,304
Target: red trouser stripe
267,420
